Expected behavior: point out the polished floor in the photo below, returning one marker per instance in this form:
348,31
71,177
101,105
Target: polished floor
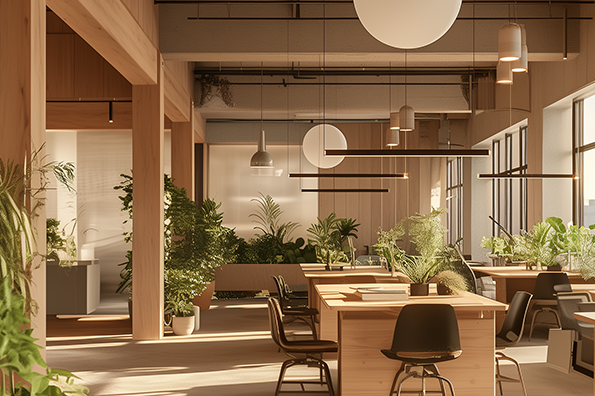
231,354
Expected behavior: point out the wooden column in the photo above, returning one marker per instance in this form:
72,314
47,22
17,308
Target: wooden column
22,109
147,245
182,156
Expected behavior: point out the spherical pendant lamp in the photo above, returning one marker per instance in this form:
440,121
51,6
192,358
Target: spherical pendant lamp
319,139
405,23
406,118
509,42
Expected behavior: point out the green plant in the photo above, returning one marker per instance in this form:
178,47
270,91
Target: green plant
327,238
180,287
267,217
19,353
59,246
426,232
452,281
18,244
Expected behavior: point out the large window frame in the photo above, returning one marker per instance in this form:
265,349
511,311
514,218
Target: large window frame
578,168
503,190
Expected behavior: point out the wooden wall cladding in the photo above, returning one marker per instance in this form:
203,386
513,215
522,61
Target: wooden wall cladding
405,196
75,70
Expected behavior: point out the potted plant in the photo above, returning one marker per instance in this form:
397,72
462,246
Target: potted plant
450,282
546,241
59,246
180,287
500,249
328,236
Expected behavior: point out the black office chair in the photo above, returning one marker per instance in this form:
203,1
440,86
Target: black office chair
293,294
425,334
293,311
544,296
510,334
308,347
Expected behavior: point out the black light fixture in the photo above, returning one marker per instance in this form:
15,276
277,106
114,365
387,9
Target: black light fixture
346,190
525,176
410,153
111,113
351,175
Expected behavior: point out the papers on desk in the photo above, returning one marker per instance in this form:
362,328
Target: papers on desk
381,294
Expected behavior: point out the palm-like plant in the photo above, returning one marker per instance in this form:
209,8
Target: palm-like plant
268,218
326,238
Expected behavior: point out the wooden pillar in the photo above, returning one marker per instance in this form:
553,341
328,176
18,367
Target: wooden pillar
22,110
147,224
182,156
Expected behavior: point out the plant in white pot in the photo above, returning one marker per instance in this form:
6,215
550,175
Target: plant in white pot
180,287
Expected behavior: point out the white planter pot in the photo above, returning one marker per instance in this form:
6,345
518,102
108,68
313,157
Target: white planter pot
183,325
196,310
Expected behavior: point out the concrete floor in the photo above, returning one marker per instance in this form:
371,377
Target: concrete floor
231,354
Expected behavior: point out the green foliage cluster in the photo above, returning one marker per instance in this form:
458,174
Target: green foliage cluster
426,232
196,243
546,244
19,353
328,237
59,246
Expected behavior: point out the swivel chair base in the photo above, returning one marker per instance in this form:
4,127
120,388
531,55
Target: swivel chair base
423,371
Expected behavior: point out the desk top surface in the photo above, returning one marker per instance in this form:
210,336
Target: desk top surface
342,297
318,271
588,317
516,272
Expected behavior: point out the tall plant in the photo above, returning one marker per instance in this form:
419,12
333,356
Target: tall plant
328,236
268,218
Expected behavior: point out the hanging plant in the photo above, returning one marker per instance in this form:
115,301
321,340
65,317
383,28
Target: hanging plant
215,86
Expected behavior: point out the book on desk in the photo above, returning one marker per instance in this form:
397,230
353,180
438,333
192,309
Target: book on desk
381,294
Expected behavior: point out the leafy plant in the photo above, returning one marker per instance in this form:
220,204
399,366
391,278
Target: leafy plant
59,246
267,217
18,244
387,244
19,353
180,287
327,238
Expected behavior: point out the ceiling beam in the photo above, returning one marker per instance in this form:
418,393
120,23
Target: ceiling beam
112,31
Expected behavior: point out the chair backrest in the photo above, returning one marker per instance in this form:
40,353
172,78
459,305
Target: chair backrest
514,322
280,289
462,267
544,284
284,285
276,322
426,328
568,304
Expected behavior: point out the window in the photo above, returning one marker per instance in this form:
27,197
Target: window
509,196
584,161
454,199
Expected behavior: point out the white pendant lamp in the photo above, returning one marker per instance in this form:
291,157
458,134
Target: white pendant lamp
392,137
522,64
406,23
509,42
394,120
406,119
503,73
261,159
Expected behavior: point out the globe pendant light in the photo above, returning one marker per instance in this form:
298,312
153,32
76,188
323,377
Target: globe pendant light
522,64
509,42
261,159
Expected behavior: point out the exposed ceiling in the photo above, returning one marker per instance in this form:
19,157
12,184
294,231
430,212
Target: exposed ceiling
283,57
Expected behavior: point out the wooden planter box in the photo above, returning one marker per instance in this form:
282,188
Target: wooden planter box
256,277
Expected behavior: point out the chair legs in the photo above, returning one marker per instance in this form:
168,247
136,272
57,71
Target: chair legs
325,375
543,310
423,372
501,378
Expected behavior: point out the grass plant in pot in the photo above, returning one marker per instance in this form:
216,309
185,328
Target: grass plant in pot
450,282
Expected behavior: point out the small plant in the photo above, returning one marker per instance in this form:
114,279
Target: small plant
451,282
180,287
59,246
328,236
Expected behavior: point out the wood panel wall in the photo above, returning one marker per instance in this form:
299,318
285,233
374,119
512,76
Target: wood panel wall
405,197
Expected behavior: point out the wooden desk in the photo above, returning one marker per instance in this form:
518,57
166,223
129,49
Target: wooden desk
365,327
588,317
317,275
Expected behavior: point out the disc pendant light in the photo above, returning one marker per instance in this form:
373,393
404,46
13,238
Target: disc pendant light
406,23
